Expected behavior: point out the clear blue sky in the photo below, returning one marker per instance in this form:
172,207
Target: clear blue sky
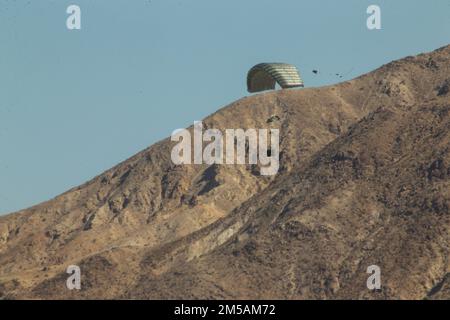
75,103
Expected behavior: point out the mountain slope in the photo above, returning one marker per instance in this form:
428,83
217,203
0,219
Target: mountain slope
364,179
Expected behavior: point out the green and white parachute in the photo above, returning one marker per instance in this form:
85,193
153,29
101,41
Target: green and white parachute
265,76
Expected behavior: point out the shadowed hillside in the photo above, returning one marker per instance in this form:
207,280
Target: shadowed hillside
364,179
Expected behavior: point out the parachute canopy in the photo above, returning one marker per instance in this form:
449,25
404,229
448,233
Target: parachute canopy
264,76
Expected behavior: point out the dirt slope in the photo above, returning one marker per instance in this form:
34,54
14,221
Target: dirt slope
364,179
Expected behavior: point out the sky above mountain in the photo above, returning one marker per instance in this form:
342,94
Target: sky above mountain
76,102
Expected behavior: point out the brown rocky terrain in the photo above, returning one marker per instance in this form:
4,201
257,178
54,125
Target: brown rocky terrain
364,179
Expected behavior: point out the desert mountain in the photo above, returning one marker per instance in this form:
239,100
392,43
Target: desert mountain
364,180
